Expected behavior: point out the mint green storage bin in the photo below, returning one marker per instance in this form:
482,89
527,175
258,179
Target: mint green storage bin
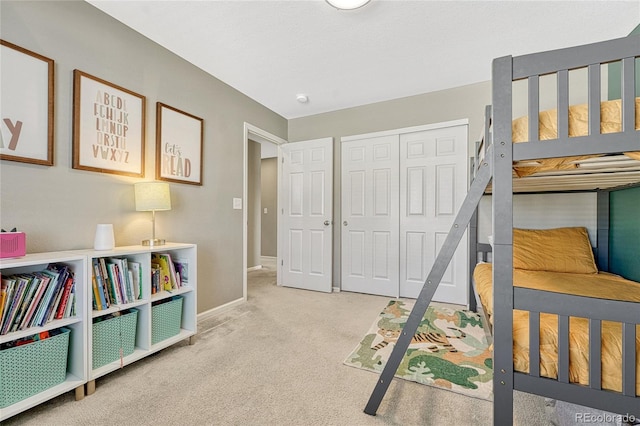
166,318
33,368
112,335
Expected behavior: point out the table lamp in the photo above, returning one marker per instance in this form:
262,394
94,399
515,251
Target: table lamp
152,197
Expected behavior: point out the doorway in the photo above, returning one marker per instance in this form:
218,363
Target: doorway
259,145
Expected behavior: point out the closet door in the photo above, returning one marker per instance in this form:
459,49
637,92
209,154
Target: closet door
433,185
370,197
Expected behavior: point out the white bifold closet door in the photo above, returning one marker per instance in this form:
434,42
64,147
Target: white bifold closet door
370,233
400,195
433,185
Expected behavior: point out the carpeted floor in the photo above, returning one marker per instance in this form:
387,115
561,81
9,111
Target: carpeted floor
276,360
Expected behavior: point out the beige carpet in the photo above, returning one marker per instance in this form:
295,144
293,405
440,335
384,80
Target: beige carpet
276,360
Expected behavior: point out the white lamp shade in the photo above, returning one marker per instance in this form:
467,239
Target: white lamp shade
152,196
347,4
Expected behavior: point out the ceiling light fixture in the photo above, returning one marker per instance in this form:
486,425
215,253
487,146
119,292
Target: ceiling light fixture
302,98
347,4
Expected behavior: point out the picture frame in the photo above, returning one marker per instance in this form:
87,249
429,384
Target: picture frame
179,145
26,106
108,127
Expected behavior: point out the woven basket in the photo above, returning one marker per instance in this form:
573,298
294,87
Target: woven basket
33,368
165,319
112,335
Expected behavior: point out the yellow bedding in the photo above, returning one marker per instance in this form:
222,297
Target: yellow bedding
610,122
600,285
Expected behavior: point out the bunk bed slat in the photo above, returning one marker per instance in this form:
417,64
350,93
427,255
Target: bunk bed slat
594,99
628,93
595,350
563,104
534,344
534,107
629,359
563,348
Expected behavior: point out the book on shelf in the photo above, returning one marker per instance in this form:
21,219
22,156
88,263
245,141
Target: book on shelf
43,283
110,287
63,272
156,272
182,270
136,272
30,286
165,275
100,293
65,298
17,289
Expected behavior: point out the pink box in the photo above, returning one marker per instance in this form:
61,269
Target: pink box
13,244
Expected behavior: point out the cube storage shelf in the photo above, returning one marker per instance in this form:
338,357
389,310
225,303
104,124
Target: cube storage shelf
80,367
38,387
144,345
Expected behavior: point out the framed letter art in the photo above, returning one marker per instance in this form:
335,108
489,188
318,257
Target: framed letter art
179,137
26,105
108,127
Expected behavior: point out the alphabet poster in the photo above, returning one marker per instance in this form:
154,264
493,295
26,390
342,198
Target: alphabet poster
179,137
108,128
26,105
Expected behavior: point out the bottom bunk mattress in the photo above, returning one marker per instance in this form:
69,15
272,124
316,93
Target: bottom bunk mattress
600,285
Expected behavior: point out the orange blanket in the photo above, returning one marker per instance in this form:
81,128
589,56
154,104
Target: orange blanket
610,122
600,285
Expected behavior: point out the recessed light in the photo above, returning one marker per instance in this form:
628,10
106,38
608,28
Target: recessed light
347,4
302,98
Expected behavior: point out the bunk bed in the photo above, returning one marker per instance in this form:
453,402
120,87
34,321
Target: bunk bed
590,147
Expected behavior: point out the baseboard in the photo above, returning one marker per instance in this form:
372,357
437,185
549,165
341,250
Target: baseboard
269,257
254,268
220,309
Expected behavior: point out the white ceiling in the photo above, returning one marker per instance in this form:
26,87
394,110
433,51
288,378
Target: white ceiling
273,50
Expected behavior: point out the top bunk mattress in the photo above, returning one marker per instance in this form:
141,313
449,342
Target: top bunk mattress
610,122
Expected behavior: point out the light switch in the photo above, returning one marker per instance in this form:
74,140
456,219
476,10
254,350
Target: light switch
265,210
237,203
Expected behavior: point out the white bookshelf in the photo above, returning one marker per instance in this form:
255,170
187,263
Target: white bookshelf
143,344
80,369
76,374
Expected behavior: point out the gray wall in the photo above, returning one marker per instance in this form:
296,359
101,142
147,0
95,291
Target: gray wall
269,194
59,207
458,103
253,205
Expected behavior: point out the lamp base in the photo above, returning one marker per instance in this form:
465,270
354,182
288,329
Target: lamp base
155,242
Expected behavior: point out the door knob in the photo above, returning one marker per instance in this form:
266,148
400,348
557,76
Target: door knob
345,223
327,222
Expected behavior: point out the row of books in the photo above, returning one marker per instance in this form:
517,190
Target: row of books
36,298
168,273
115,281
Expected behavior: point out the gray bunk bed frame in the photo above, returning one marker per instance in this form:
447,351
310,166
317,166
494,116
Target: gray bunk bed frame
496,167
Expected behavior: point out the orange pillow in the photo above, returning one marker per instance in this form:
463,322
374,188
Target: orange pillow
555,250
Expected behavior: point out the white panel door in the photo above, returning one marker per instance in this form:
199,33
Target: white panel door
433,185
370,197
307,199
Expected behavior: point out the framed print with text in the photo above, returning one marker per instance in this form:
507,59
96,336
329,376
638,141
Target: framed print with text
179,139
26,105
108,127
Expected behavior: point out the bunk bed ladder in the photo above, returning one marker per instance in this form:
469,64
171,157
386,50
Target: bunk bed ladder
430,286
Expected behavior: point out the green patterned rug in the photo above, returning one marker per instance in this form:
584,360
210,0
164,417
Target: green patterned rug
449,350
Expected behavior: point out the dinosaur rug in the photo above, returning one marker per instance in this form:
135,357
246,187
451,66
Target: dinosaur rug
449,350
